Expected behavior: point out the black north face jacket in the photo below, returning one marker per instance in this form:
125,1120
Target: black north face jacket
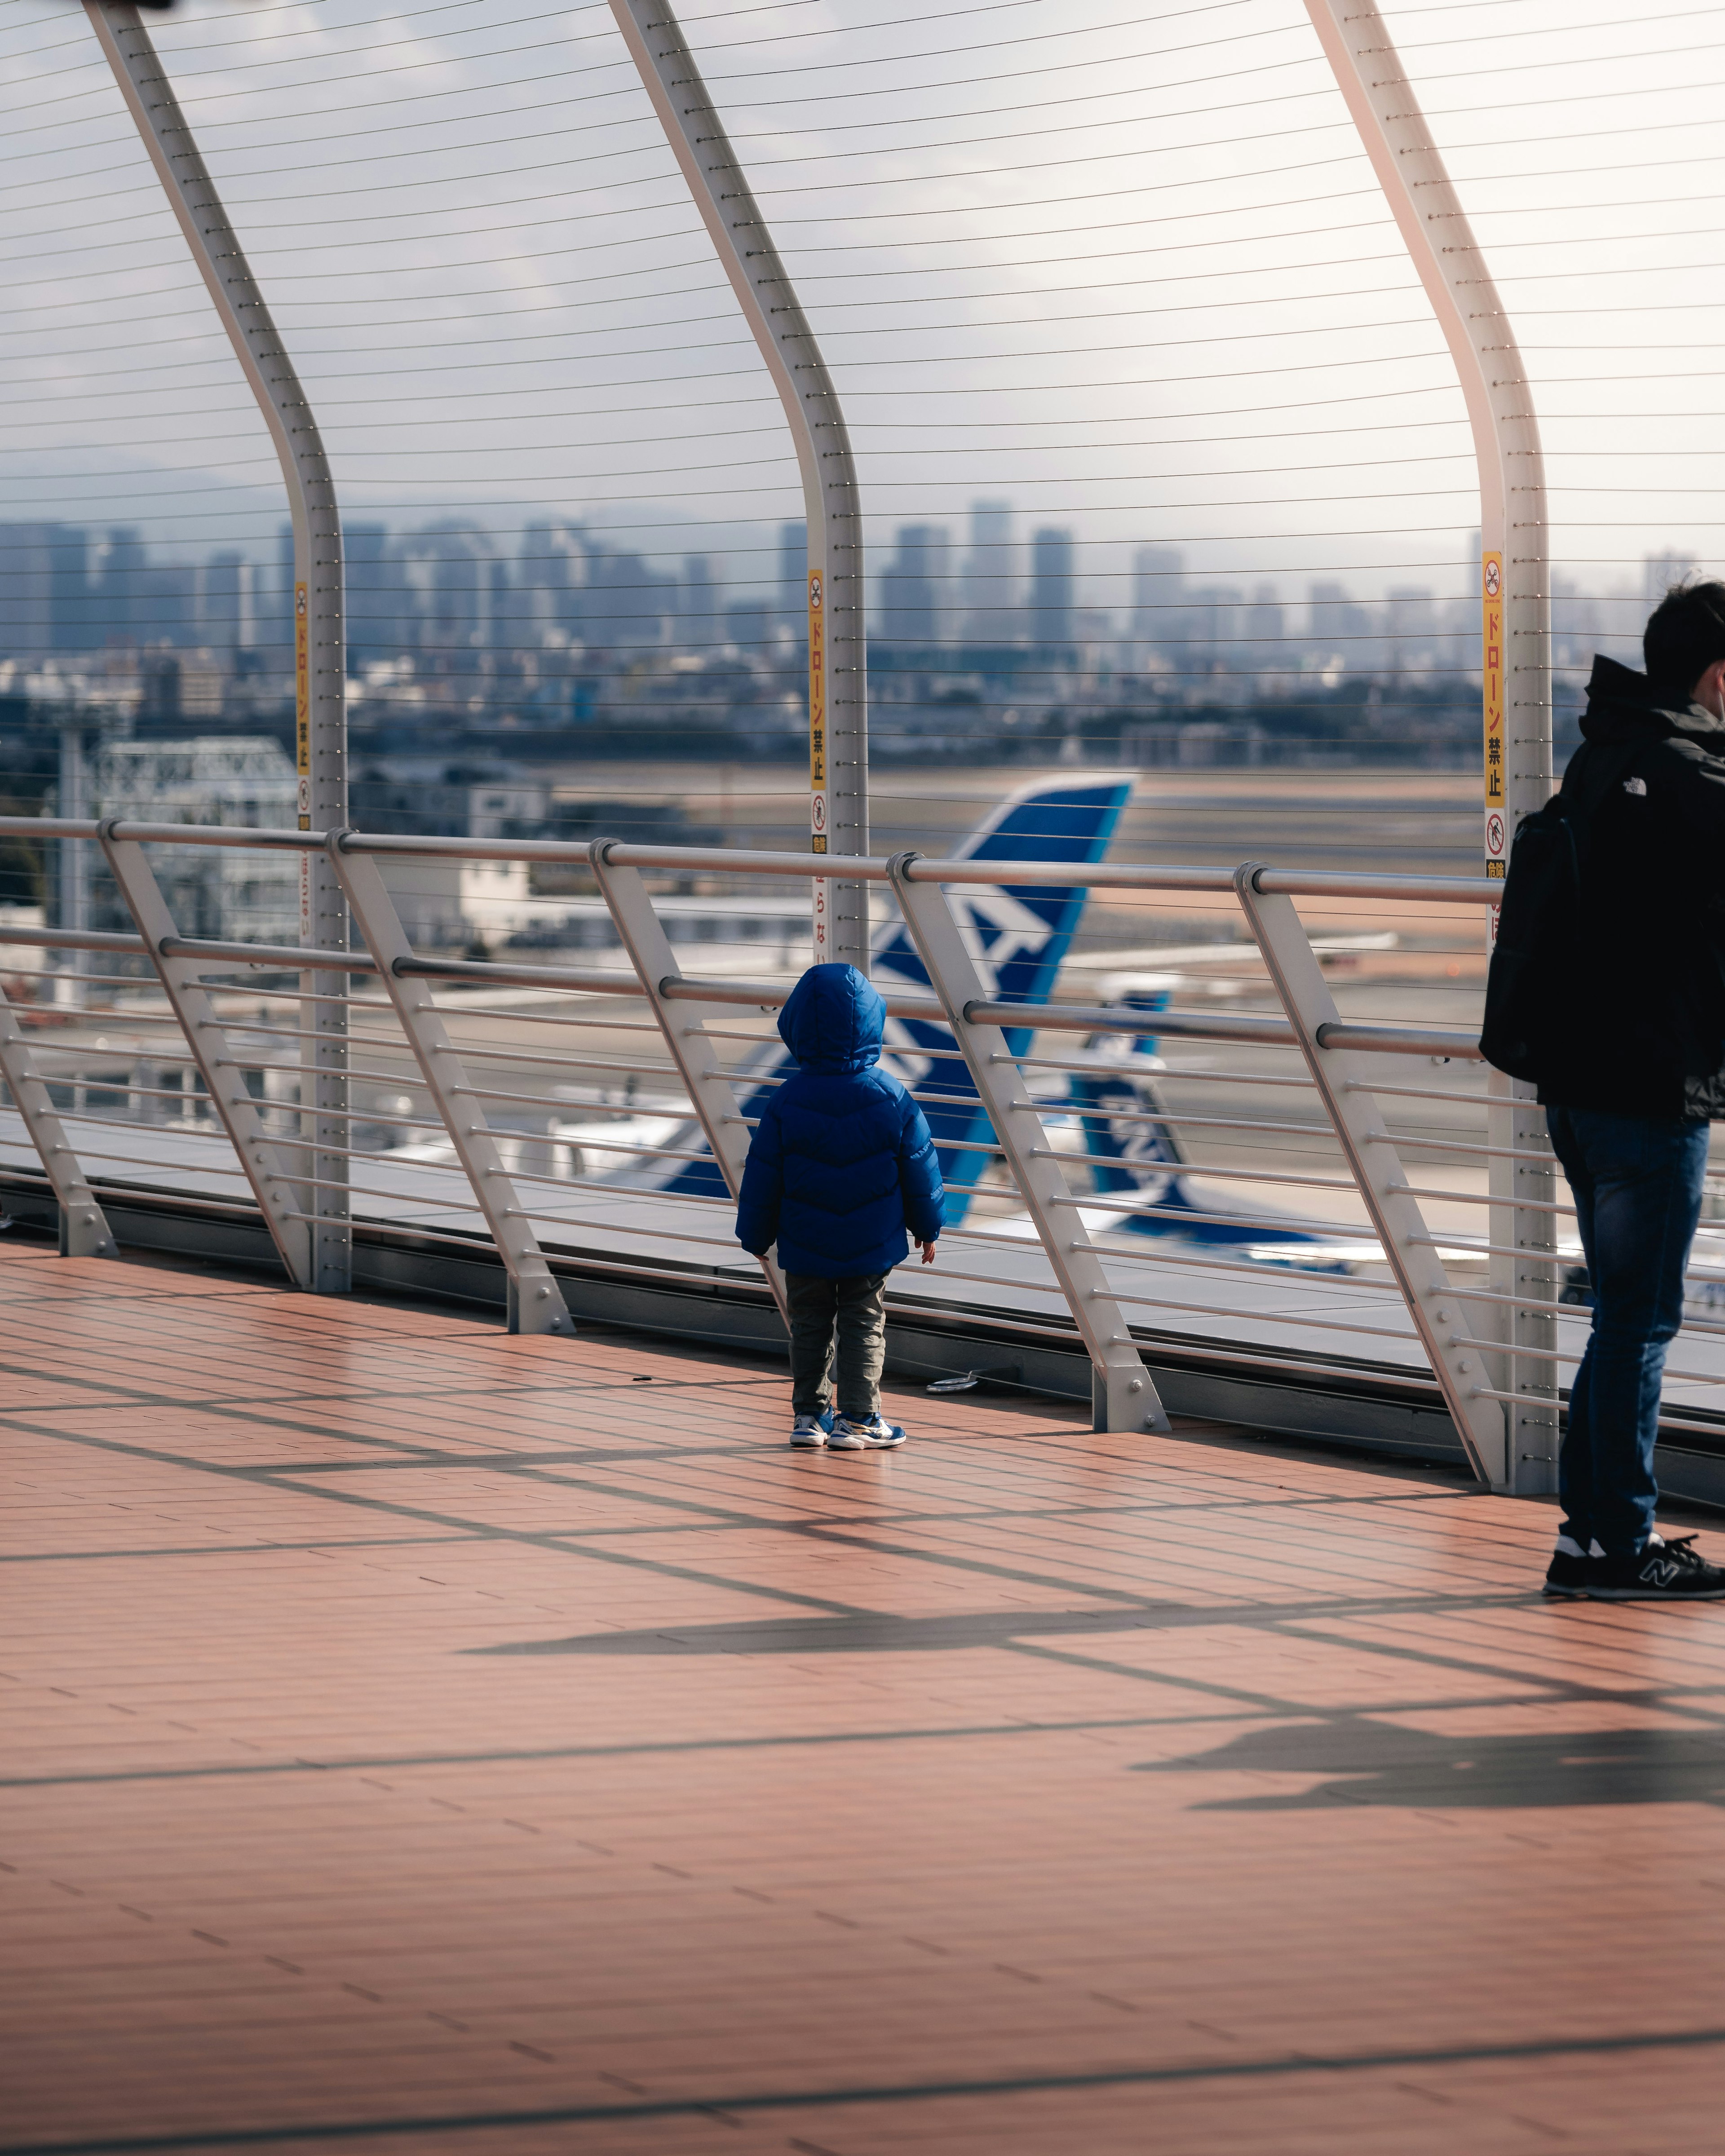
1645,1032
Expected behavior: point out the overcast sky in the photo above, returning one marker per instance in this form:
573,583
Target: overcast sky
1125,267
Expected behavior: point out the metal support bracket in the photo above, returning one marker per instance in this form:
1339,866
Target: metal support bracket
684,1024
1458,1359
1121,1392
273,1185
84,1232
536,1301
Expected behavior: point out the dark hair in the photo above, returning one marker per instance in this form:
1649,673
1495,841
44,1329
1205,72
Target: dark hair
1685,635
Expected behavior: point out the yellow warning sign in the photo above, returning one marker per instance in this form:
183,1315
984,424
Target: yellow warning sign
1491,669
817,686
302,686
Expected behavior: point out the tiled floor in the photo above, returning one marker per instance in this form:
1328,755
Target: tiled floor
420,1739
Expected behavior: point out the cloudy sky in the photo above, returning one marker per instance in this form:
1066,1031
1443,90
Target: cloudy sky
1123,266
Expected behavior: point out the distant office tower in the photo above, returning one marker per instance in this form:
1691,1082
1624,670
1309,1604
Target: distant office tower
629,606
1266,627
26,590
698,612
73,624
1159,580
991,576
120,608
1411,623
552,571
1050,588
228,606
793,575
913,586
1212,632
377,597
1342,630
451,565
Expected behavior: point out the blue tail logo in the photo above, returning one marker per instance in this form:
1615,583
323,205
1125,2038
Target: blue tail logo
1018,935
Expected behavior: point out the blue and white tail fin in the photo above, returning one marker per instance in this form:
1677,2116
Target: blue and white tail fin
1131,1151
1018,936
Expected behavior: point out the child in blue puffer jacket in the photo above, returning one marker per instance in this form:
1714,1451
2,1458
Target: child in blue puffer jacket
841,1165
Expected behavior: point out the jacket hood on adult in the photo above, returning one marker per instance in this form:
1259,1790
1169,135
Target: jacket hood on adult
833,1020
1621,702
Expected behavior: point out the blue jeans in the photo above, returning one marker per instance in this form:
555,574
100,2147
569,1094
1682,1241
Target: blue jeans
1637,1181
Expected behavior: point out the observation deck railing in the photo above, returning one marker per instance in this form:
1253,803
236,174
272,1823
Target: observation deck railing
548,1122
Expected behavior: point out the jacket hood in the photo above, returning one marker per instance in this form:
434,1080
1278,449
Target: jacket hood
1621,703
832,1020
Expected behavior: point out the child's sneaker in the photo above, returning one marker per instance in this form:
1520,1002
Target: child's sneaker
876,1434
808,1433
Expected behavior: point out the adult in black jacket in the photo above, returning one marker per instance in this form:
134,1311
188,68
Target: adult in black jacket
1638,1072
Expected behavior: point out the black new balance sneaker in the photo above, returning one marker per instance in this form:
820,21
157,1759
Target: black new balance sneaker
1658,1572
1573,1570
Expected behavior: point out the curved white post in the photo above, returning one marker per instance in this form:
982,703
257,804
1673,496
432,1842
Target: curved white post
321,660
838,679
1515,660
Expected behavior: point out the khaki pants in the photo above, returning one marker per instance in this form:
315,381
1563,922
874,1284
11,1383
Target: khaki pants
856,1310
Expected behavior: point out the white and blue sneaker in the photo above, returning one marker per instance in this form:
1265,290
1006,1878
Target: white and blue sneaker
876,1434
808,1433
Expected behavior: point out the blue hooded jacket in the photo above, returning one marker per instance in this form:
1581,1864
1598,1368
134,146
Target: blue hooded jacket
841,1161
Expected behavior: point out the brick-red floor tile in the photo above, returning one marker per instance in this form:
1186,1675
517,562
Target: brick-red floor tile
417,1738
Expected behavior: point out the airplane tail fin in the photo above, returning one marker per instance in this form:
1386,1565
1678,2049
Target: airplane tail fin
1020,936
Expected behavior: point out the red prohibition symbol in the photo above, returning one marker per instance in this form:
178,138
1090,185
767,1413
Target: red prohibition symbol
1494,835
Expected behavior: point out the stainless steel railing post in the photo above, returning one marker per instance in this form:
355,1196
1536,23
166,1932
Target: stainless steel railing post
536,1301
84,1232
274,1183
711,1092
320,640
1122,1396
1457,1360
838,676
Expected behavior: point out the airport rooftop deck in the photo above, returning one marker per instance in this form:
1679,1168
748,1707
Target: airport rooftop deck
423,1737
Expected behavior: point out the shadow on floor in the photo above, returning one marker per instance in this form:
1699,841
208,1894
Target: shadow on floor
1375,1763
867,1632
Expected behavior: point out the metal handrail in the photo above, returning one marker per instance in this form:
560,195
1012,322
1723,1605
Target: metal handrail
743,860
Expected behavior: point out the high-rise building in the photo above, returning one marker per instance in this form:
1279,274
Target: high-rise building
1342,630
552,571
380,610
121,609
698,607
1159,583
914,585
1411,620
629,605
1051,564
991,576
228,603
26,590
451,564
